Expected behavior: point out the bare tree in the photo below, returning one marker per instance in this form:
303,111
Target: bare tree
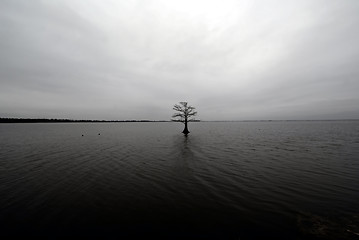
184,113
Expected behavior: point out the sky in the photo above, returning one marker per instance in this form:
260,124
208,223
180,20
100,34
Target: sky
132,59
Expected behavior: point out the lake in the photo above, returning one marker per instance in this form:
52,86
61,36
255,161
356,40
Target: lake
225,180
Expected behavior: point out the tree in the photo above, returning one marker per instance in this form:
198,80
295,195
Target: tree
184,113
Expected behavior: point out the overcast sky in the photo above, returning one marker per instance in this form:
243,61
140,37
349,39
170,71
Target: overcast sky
232,60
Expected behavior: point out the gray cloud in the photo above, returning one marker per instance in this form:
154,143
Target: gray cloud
233,60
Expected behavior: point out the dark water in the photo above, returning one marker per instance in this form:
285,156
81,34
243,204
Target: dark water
240,180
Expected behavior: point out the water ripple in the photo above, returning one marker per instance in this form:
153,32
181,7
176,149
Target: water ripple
233,176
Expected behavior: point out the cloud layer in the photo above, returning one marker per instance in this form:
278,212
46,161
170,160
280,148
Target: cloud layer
233,60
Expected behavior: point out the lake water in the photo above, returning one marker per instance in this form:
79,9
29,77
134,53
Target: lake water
226,180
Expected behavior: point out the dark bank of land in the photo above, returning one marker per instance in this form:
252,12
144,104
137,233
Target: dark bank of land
54,120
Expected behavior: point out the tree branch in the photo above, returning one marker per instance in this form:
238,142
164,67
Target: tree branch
184,112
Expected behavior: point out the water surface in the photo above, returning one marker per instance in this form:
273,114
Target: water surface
228,180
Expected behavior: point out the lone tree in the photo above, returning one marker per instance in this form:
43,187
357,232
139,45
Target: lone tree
184,114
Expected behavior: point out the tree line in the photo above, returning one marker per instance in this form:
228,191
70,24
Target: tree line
45,120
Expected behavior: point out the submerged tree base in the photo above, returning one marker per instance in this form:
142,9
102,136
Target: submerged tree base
185,131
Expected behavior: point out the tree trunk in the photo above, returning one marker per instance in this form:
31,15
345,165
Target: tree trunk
185,130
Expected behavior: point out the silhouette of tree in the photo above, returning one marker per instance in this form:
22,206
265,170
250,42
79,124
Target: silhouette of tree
184,113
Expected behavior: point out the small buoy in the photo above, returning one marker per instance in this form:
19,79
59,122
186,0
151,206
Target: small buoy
82,135
98,134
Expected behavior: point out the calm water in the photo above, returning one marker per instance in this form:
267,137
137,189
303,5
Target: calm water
240,180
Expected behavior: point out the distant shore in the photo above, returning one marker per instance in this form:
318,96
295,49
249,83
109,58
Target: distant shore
55,120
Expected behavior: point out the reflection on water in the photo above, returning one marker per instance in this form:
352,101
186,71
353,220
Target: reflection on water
182,155
187,149
287,180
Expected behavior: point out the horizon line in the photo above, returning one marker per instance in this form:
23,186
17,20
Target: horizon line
39,120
